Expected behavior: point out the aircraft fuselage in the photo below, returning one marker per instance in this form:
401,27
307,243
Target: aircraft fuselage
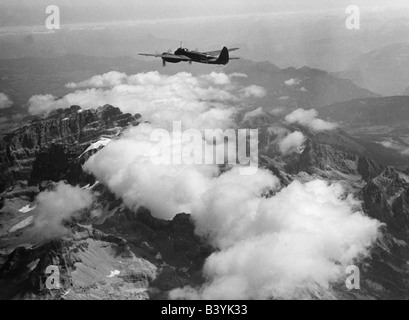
197,57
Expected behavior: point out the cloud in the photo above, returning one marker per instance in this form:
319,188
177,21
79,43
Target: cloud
291,142
254,91
108,79
44,104
205,101
126,167
253,114
292,82
5,101
388,144
296,242
308,118
276,111
217,78
286,141
391,144
238,75
56,206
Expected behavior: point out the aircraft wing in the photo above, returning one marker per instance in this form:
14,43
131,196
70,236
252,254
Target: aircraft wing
166,55
217,52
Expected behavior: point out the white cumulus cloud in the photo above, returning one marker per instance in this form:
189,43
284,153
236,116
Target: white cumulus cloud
308,118
292,82
56,206
5,101
291,142
254,91
293,243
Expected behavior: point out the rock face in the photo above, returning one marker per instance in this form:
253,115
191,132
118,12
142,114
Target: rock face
47,149
149,258
382,111
85,263
386,198
308,87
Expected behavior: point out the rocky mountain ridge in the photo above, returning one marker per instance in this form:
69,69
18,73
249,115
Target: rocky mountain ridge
47,148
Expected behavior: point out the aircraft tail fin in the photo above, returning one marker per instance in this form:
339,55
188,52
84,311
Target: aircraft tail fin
223,57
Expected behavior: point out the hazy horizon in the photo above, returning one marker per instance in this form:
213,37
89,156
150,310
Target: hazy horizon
32,13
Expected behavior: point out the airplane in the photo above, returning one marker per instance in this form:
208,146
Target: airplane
220,57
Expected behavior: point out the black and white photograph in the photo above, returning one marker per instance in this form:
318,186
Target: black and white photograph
186,151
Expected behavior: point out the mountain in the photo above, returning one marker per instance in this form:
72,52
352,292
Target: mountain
304,87
128,254
383,70
92,256
49,149
380,123
388,111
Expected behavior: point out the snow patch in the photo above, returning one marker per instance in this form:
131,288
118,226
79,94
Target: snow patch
100,143
27,208
147,244
22,224
404,176
89,187
33,264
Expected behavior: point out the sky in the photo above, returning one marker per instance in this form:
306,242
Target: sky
32,12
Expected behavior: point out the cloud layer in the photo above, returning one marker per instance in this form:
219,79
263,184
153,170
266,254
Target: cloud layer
206,101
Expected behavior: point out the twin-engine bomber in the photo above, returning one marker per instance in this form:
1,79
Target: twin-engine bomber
220,57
